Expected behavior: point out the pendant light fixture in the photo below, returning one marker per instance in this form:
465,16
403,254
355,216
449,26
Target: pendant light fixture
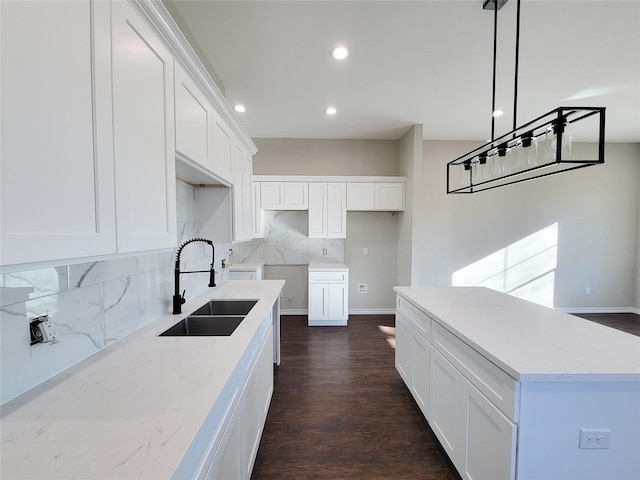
536,149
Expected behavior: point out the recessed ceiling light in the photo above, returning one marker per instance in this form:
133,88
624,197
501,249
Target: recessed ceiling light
330,111
340,53
240,108
497,113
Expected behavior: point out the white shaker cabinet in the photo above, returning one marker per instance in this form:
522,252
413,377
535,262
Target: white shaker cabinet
242,196
257,212
284,195
223,149
144,135
328,294
57,152
327,210
367,196
194,120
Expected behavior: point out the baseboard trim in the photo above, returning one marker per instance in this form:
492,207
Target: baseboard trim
601,310
359,311
372,311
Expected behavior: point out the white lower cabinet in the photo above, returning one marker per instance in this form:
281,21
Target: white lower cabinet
477,436
328,297
237,447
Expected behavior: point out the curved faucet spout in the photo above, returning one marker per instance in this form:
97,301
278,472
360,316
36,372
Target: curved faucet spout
178,299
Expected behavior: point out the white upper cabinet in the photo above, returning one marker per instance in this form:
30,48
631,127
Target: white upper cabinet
388,196
194,120
284,195
327,210
144,135
242,196
57,157
223,149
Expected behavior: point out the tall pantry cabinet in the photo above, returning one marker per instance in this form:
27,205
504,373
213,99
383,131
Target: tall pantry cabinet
85,171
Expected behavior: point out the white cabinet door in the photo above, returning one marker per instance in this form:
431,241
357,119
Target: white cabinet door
317,210
272,195
257,212
318,301
389,196
336,210
284,195
490,439
194,121
360,196
242,203
57,150
223,149
144,134
338,308
327,210
447,408
420,356
227,460
296,195
403,349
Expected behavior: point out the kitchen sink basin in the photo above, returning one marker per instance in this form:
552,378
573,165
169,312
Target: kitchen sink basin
225,307
204,325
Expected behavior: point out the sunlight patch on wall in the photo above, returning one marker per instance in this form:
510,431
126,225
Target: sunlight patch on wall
525,269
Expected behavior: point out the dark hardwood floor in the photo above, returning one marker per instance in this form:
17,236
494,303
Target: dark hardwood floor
341,411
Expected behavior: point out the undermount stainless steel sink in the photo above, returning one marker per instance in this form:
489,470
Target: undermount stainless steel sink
216,318
226,307
204,325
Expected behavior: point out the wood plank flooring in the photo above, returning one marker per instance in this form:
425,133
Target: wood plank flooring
341,411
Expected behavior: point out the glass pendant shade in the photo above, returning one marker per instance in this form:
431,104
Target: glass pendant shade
551,140
527,151
503,159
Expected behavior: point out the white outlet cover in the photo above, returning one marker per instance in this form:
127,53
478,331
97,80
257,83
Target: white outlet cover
362,288
595,438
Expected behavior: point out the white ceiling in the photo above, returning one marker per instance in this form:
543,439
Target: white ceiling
418,62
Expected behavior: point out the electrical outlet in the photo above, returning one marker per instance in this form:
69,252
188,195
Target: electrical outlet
365,251
587,291
595,438
324,251
362,288
42,330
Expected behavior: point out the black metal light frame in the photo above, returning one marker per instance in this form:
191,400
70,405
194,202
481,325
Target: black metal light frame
522,136
538,129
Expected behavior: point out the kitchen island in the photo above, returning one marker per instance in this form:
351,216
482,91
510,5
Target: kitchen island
149,406
513,389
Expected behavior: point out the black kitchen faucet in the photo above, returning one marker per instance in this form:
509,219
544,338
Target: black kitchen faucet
178,299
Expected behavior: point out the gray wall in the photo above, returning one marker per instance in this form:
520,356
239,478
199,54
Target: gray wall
286,156
410,166
553,236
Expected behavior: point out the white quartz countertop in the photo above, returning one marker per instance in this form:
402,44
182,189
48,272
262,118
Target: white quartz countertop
245,267
133,409
530,342
323,267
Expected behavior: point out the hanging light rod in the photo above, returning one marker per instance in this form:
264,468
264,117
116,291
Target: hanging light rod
536,149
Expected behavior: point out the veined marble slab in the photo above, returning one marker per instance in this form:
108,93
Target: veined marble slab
133,409
530,342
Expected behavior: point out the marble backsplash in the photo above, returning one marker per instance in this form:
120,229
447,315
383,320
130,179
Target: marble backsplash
93,304
286,242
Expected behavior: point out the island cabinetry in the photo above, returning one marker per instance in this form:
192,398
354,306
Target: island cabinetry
448,381
514,386
284,195
57,135
328,295
413,352
327,210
